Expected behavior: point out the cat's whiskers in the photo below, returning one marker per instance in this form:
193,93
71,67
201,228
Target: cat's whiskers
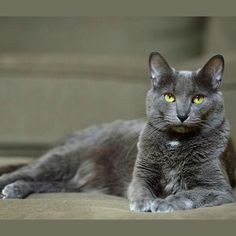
206,125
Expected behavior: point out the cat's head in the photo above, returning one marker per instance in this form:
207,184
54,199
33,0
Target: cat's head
183,101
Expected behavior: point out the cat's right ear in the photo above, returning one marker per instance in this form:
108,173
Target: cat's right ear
158,68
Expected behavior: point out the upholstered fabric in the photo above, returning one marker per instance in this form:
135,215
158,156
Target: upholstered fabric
92,206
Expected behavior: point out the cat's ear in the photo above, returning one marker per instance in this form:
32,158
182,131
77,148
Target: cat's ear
213,70
158,68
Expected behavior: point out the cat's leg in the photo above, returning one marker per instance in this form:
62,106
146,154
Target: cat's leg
143,188
21,188
140,197
59,164
192,199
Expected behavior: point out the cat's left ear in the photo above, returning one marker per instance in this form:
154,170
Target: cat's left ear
213,70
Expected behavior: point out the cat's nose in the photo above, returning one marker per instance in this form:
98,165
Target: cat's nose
182,118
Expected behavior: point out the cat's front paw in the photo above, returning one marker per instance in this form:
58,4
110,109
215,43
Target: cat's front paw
143,205
162,205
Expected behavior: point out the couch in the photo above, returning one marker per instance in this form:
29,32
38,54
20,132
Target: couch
50,86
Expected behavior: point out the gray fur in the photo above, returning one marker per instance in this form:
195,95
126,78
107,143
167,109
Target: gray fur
162,164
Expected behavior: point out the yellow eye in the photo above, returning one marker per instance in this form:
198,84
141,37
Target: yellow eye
198,99
169,97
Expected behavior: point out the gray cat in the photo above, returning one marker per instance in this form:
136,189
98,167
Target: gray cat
180,158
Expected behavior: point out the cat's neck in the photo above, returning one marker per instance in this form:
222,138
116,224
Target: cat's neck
153,135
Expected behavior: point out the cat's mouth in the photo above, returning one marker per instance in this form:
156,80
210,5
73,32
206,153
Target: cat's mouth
182,129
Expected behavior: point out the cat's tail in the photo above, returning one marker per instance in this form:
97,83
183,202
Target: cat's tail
10,168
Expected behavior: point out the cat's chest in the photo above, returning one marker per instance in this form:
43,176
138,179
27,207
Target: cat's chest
173,145
181,150
173,158
172,182
171,149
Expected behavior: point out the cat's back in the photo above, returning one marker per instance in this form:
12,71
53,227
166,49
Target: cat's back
118,129
111,132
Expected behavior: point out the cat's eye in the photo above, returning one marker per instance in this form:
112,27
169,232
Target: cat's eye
169,97
198,99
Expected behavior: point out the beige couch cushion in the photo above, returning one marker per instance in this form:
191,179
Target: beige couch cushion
90,206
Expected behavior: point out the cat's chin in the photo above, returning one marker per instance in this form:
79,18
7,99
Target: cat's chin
182,129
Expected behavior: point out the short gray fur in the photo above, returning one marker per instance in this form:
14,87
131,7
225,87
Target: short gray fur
162,164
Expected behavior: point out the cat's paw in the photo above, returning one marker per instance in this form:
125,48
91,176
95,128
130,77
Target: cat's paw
162,205
143,205
12,191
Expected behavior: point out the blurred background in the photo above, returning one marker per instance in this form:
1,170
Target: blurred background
59,75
